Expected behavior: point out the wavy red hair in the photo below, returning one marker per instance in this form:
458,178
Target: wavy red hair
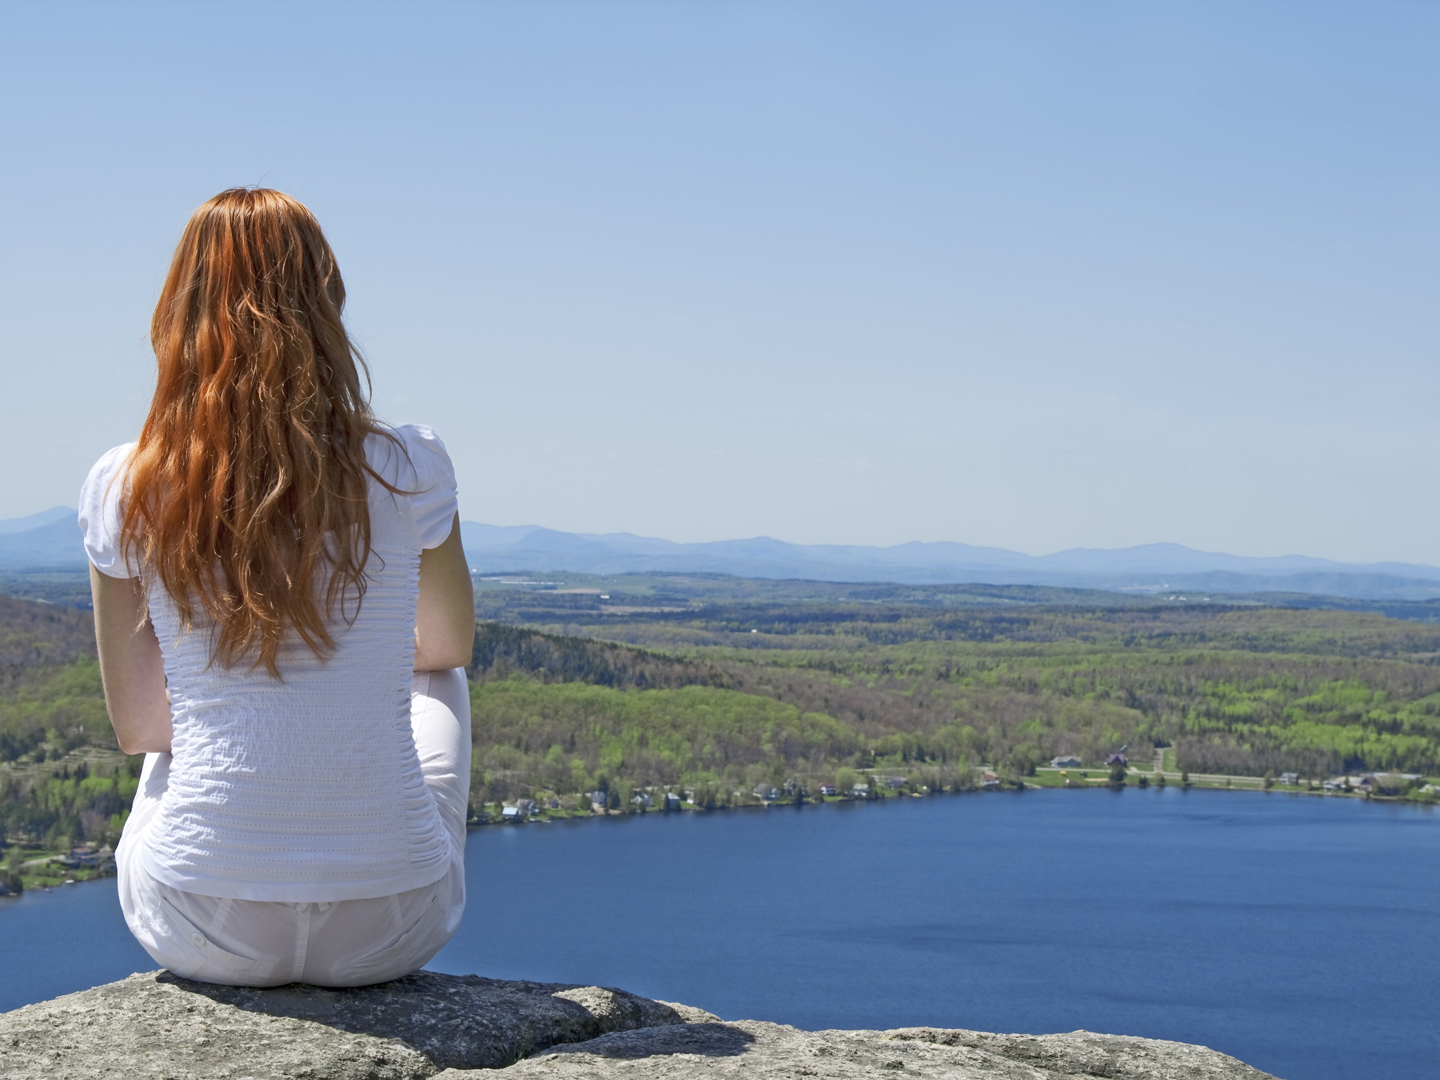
247,491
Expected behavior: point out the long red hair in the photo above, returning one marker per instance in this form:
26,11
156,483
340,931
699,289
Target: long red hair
247,489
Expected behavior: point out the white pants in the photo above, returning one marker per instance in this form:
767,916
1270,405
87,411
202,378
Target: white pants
343,943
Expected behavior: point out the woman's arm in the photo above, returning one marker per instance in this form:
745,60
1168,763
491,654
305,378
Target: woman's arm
131,667
445,614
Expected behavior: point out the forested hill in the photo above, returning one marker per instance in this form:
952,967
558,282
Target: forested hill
502,651
576,693
799,691
32,633
50,699
61,780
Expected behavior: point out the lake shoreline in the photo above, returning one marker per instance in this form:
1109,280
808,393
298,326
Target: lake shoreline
1138,781
553,817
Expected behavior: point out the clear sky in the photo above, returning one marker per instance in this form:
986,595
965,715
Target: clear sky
1037,275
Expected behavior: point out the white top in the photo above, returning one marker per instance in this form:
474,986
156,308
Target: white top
307,789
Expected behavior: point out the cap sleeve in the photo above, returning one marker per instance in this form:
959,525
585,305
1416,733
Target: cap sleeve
435,501
100,498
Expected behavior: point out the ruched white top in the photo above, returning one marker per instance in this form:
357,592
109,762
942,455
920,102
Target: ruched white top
309,788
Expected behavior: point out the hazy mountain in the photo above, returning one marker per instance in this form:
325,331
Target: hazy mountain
55,545
34,521
1150,567
51,541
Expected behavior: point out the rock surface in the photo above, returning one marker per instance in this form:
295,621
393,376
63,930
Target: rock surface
750,1048
450,1027
410,1029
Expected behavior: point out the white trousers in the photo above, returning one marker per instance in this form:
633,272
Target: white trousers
343,943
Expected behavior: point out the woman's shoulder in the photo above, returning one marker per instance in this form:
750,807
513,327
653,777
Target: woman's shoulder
408,455
100,512
418,438
100,484
109,463
413,458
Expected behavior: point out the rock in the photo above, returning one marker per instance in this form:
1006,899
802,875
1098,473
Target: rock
448,1026
161,1026
752,1049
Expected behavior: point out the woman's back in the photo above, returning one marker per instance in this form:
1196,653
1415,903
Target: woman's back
283,612
306,788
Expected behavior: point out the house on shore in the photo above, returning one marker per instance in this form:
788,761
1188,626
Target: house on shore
83,857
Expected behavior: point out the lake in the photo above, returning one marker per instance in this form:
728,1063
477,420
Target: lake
1299,934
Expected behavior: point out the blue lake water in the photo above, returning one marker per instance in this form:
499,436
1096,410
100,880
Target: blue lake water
1300,934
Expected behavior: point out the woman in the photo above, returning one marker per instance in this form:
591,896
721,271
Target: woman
282,607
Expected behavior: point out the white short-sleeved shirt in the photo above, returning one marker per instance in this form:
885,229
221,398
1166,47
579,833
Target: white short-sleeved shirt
309,788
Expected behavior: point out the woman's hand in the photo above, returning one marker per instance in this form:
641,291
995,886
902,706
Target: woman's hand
445,613
131,667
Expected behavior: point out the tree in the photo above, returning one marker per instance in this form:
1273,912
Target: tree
1024,758
13,860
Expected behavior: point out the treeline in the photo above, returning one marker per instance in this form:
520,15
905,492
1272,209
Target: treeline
853,627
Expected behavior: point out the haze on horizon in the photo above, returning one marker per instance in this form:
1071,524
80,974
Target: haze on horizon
1030,275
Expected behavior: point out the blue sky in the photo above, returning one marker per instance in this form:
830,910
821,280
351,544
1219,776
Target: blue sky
1037,275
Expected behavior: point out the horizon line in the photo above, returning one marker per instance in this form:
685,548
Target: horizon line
869,547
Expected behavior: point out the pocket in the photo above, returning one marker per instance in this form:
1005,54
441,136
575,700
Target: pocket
406,951
198,944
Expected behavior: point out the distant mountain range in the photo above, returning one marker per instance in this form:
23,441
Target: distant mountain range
51,541
1148,568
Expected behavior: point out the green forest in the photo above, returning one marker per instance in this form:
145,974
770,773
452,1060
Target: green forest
709,687
938,690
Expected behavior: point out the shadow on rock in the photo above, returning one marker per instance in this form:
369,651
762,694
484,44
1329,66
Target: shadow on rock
707,1040
455,1021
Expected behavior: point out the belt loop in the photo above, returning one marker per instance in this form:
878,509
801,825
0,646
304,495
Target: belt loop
302,941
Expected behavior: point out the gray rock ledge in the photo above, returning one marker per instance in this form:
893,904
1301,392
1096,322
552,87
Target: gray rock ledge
450,1026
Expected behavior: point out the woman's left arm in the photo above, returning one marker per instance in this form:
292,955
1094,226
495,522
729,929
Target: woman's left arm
445,611
131,667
